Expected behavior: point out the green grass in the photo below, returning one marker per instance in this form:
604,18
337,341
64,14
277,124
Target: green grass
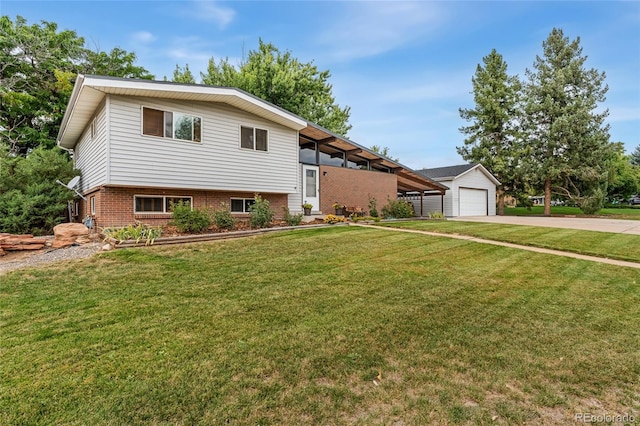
293,328
594,243
621,213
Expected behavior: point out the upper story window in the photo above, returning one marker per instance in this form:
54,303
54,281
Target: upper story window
253,138
175,125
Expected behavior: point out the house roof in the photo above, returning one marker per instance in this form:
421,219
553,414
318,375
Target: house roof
441,174
90,90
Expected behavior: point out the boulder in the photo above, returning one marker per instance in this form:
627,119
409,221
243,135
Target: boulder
66,234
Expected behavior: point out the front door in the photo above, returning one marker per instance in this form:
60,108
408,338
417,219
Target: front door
311,186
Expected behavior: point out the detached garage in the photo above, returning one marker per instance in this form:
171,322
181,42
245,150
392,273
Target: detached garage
472,191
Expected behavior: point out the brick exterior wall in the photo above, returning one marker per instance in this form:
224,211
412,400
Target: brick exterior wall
353,187
115,205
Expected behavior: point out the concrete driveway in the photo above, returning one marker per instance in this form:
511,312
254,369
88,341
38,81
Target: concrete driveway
618,226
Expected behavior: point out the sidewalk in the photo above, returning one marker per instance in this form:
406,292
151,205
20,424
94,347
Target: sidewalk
510,245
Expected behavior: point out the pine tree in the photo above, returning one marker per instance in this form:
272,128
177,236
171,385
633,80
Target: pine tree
568,139
492,137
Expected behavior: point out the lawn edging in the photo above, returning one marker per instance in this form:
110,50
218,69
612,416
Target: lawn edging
208,237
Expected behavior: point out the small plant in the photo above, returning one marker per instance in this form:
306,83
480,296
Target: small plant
222,218
187,219
306,205
436,215
331,218
291,220
373,206
260,215
137,232
397,209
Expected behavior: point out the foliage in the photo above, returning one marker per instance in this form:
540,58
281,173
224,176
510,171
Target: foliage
38,65
283,80
567,136
138,232
30,199
260,214
635,156
384,151
223,218
437,215
306,205
373,206
188,219
397,209
493,137
183,75
624,177
291,220
333,219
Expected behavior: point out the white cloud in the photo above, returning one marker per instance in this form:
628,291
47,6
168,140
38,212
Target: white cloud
210,11
371,28
143,37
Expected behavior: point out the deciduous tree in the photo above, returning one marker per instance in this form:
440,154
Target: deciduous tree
283,80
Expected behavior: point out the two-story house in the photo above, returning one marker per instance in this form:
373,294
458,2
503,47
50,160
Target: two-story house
141,145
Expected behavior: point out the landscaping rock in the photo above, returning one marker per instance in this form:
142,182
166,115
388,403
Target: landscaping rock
66,234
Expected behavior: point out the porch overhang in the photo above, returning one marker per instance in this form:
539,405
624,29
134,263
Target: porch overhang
408,179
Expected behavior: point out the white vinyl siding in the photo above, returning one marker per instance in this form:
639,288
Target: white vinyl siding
90,154
474,179
217,163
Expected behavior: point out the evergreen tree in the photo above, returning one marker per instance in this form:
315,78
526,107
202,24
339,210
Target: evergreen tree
567,138
281,79
492,137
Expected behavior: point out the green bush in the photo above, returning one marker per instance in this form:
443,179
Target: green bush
397,209
260,215
222,218
373,206
292,220
592,203
187,219
436,215
137,232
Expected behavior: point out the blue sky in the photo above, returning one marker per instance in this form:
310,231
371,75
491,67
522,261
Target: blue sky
404,68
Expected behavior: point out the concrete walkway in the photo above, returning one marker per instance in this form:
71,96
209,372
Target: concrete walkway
510,245
617,226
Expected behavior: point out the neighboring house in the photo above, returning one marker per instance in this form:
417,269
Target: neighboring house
141,145
472,191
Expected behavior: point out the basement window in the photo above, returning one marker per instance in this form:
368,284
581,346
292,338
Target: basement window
158,203
242,205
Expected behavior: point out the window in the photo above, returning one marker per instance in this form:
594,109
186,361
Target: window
92,204
157,203
253,138
241,205
175,125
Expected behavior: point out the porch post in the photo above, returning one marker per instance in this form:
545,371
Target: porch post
421,203
442,203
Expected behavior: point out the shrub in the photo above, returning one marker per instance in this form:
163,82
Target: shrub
187,219
592,203
292,220
222,218
137,232
397,209
373,206
436,215
331,218
260,215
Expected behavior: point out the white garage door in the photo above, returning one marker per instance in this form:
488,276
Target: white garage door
473,202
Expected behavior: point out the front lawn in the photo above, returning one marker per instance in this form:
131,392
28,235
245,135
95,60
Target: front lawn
319,326
619,213
594,243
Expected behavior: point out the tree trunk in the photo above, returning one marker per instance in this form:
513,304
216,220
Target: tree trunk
547,196
501,196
